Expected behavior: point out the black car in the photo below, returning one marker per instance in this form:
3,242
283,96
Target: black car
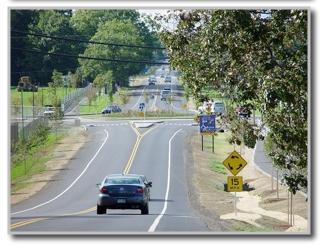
107,110
111,109
152,80
141,106
118,191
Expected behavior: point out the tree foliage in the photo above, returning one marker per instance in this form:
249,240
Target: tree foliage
79,25
251,57
115,31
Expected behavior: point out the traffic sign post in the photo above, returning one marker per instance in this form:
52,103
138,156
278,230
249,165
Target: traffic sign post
235,163
207,127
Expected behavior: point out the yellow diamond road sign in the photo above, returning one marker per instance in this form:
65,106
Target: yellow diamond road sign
234,163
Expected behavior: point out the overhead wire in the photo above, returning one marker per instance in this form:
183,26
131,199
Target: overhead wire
90,58
86,41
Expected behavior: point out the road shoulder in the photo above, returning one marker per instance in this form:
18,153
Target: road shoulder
61,155
258,210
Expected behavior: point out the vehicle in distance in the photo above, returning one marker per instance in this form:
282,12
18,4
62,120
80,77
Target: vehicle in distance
49,111
168,79
243,111
164,94
129,191
141,106
152,80
25,84
111,109
218,108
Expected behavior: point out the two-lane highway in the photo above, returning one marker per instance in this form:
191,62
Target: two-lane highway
67,205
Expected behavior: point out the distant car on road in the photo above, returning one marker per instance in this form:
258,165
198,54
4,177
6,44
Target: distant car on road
168,79
49,111
164,94
218,108
152,80
141,106
118,191
243,112
111,109
167,89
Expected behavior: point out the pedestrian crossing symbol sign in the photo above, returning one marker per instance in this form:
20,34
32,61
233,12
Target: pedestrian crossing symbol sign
234,163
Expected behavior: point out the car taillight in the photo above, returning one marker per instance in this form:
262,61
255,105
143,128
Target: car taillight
139,190
104,190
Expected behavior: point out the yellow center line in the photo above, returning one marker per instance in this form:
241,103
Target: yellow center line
26,222
135,148
126,170
31,221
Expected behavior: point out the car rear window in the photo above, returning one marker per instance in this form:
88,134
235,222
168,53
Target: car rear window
122,181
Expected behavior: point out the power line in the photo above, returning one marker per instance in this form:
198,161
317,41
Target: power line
89,58
44,71
86,41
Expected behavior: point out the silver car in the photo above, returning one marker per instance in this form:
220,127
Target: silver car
118,191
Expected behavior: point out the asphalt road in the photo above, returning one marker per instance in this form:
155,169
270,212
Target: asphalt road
67,204
137,96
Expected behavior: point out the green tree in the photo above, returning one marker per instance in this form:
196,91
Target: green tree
57,78
120,32
259,58
76,79
20,20
53,23
102,80
87,22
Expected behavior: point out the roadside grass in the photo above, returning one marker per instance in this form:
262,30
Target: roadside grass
15,96
221,150
34,162
96,106
267,224
217,167
240,226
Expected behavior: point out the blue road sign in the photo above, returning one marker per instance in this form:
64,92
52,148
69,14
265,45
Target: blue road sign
207,123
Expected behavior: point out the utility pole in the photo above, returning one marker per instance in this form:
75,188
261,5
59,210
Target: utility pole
22,113
33,105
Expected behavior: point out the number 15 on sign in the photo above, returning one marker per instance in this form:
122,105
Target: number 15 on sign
234,183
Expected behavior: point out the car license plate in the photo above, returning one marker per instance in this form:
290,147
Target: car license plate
121,201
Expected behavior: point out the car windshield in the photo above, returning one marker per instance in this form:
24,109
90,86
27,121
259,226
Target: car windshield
122,181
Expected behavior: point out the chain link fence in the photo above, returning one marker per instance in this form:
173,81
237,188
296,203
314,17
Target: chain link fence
72,100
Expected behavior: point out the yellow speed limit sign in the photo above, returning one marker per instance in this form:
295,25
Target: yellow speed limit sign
235,183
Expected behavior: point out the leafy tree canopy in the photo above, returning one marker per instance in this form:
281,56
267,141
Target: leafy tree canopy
251,57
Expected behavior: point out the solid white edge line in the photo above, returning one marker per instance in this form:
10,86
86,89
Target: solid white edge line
139,98
158,218
69,187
